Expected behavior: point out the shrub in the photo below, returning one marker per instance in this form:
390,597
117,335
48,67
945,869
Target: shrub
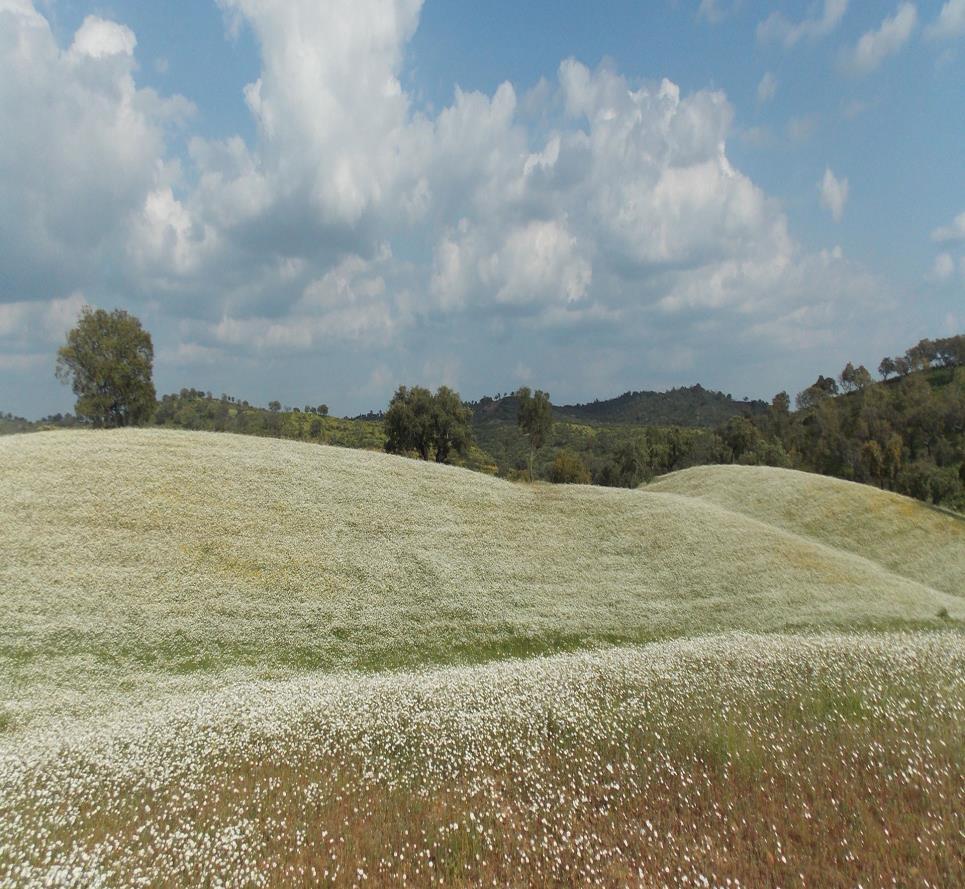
569,469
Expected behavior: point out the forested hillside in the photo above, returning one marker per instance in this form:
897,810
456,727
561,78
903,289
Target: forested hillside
692,406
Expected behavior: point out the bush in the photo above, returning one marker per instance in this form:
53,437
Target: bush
569,469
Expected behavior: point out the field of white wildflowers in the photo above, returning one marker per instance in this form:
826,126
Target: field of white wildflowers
735,760
231,661
139,560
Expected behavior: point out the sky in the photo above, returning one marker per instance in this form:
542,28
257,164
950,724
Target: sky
318,201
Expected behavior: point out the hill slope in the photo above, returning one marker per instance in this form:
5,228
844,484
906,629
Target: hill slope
137,556
904,535
687,406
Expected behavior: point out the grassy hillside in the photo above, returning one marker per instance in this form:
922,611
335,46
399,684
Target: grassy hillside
138,554
166,595
906,536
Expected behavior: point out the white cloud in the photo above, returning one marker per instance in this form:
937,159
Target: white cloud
535,264
757,136
354,220
777,28
766,88
165,241
323,64
27,321
874,47
950,22
74,172
99,39
954,231
834,194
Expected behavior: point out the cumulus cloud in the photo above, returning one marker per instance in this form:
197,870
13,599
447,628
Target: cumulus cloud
535,264
98,38
356,224
766,88
834,194
954,231
74,173
323,64
777,28
874,47
950,22
47,321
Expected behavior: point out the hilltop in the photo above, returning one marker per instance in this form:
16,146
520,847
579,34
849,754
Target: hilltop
685,406
137,553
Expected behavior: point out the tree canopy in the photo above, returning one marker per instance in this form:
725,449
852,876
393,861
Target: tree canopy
428,424
535,417
108,359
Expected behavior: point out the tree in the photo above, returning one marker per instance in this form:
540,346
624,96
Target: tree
632,463
892,458
108,359
861,378
451,424
873,461
846,379
822,388
535,417
408,421
274,406
781,404
569,469
417,420
887,367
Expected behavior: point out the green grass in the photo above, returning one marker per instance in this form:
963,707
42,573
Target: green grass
135,559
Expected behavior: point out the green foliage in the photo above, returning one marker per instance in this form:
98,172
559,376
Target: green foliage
905,434
824,387
534,415
569,469
887,367
108,359
947,351
11,425
194,409
425,423
451,424
853,378
685,406
409,422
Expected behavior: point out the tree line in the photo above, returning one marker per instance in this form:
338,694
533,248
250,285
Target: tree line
905,433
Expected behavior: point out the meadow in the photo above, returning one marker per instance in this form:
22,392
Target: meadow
238,661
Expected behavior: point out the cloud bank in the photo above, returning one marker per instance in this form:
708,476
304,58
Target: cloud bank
593,216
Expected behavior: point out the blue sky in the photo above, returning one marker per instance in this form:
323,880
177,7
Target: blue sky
317,202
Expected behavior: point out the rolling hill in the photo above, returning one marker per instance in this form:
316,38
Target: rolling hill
905,536
138,557
692,406
195,628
